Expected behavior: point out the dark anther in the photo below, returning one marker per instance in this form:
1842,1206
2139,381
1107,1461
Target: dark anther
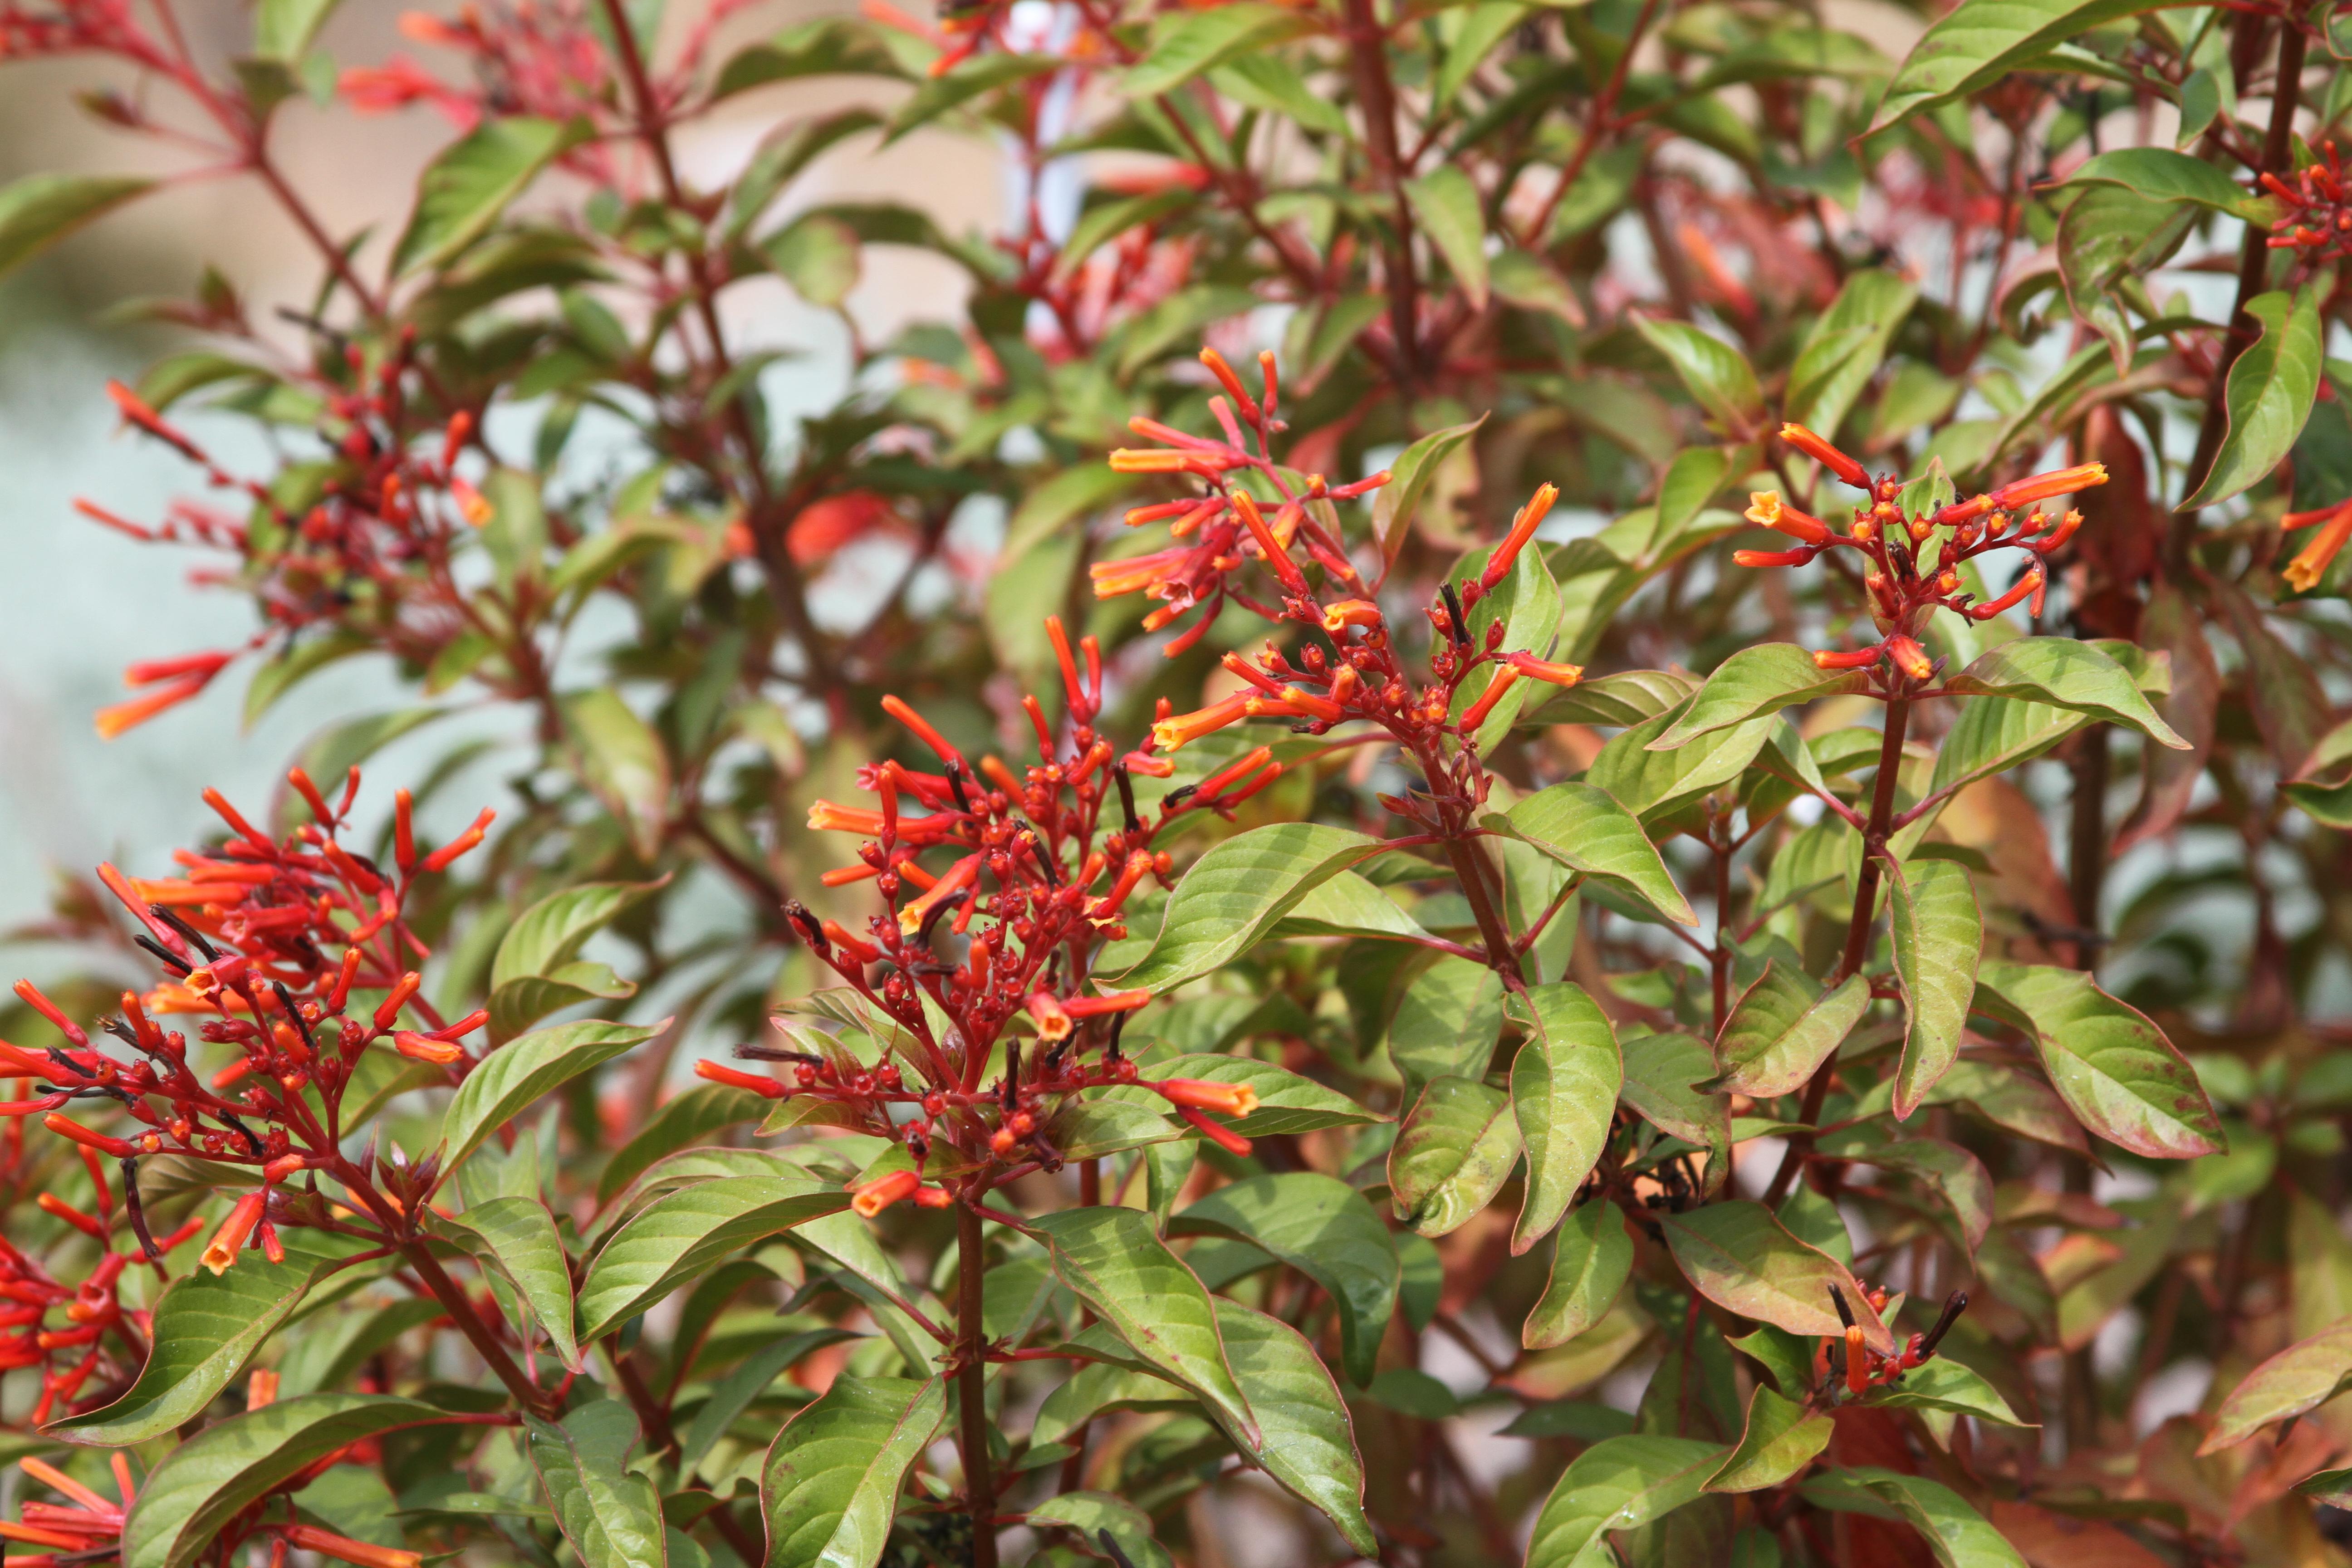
1837,1367
138,1216
1045,862
1110,1546
1454,614
1954,1305
1012,1074
171,917
1127,796
170,960
122,1030
1049,1159
243,1131
918,1145
64,1062
1837,1300
811,928
923,935
301,1025
955,784
1117,1027
1176,797
775,1054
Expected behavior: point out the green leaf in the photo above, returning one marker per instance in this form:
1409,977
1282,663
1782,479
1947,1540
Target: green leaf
2115,1070
1446,205
2161,174
1946,1385
1780,1439
549,935
190,1496
1113,1261
1308,1442
463,191
1741,1258
829,1490
516,1236
735,1393
2061,672
2300,1378
518,1003
1092,1516
1619,1483
1323,1228
817,254
38,210
611,1515
1994,736
510,1079
283,29
1234,895
1955,1532
1657,784
1394,503
1846,347
683,1232
830,45
2269,397
1591,1258
1451,1154
1446,1022
695,1114
1978,42
205,1328
1938,935
1752,683
1782,1029
1564,1085
1270,82
1660,1073
2111,235
1483,26
623,760
1584,827
1717,374
1185,43
1287,1102
980,74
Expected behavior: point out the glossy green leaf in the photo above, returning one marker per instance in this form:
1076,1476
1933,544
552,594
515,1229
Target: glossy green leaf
1846,347
1451,1154
1308,1442
207,1327
829,46
2111,235
551,933
1114,1261
1652,784
38,210
1717,374
1938,935
1741,1258
1619,1483
1286,1101
683,1232
1394,503
1662,1072
189,1498
2065,673
1447,1022
623,760
1592,1257
1564,1085
1234,895
1445,204
1586,829
1782,1029
516,1237
463,191
1781,1439
1323,1228
1944,1385
975,77
1093,1516
830,1488
2161,174
2115,1070
283,29
2269,396
510,1079
736,1392
610,1514
687,1118
1955,1532
2300,1378
1978,42
1752,683
1185,43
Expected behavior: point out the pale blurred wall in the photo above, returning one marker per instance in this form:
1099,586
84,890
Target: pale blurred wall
83,601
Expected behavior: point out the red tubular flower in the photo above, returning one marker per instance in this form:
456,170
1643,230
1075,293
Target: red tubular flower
1506,677
1797,557
1172,733
421,1049
65,1127
2310,563
1201,1094
342,1548
2028,583
2042,487
1277,558
1523,527
443,858
1339,618
1110,1002
923,731
1233,771
1852,659
1909,657
883,1191
1053,1020
388,1010
718,1072
221,1251
1767,509
1829,457
1232,384
1226,1138
961,875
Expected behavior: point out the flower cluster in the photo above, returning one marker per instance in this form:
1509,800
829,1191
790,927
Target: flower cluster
1847,1366
1025,882
2317,222
1905,588
269,942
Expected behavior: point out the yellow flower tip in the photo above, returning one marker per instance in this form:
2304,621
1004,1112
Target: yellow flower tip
1764,508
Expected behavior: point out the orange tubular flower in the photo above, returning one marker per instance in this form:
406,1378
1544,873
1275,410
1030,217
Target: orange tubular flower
2042,487
1052,1018
2310,563
2028,583
1523,527
1277,557
113,720
1200,1094
923,728
1110,1002
1767,509
825,817
419,1047
1535,668
221,1251
342,1548
1347,613
962,875
883,1191
1172,734
1829,457
1796,557
1224,1138
1909,657
1852,658
1506,677
718,1072
74,1132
